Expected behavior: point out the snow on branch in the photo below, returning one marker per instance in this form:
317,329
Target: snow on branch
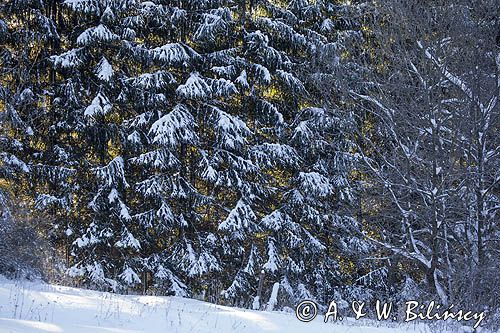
113,173
240,218
175,128
101,33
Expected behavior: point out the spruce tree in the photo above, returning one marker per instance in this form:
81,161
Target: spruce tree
103,248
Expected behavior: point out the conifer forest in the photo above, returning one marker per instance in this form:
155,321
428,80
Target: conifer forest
253,153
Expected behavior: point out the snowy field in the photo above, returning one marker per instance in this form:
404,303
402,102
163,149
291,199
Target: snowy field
37,307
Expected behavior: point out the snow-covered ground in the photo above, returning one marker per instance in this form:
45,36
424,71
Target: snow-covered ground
37,307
